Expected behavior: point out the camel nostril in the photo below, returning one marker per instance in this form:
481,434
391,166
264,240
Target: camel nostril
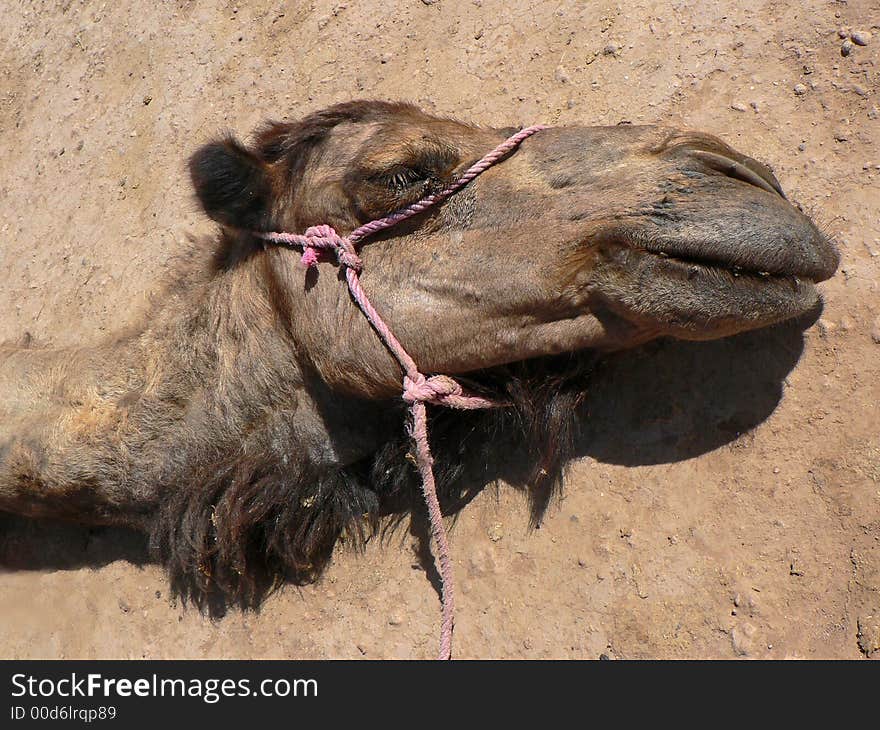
747,170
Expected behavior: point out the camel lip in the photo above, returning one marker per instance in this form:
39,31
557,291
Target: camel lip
746,277
698,300
791,269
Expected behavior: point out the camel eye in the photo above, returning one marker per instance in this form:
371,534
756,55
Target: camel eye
401,179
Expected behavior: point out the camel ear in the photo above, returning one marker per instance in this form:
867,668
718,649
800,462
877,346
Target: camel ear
232,184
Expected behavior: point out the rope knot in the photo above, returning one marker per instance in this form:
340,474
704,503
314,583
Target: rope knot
436,389
322,238
347,257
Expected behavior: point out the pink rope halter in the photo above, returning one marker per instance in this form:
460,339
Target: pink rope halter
418,389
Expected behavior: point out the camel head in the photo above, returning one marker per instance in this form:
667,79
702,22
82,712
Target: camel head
254,416
584,237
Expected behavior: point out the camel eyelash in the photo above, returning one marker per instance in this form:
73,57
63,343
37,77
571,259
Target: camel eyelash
403,178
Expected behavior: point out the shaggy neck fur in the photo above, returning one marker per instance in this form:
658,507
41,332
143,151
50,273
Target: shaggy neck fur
210,431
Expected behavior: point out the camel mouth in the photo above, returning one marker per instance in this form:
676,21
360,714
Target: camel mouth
812,259
700,298
794,287
795,278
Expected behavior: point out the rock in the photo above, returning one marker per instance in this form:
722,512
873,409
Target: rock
737,107
846,48
842,33
742,638
869,634
496,532
875,331
395,619
861,37
800,89
755,106
482,562
562,75
612,49
802,146
753,606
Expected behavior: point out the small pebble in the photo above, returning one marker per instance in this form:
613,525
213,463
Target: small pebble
611,49
825,327
861,37
875,331
800,89
842,33
802,146
562,75
846,48
737,107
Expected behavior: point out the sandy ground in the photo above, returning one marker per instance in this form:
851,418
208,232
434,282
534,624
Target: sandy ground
728,501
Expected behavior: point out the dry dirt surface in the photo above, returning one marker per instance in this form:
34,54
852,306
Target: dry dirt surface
727,498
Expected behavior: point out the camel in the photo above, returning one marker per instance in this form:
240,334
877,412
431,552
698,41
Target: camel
252,420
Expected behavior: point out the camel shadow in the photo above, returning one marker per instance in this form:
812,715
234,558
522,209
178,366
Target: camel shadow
665,402
45,544
673,400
